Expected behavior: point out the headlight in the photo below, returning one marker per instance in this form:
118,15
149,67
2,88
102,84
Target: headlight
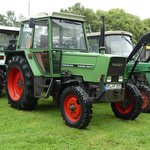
109,79
113,86
120,79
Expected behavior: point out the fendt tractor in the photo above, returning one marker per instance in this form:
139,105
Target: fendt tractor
116,42
8,38
120,43
52,59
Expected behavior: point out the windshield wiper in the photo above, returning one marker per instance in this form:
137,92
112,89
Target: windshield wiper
123,37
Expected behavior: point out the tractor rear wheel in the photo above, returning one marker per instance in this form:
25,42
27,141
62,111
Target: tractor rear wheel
145,92
1,90
19,83
131,106
76,107
2,80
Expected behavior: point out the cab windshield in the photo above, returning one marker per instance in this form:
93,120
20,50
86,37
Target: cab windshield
67,34
118,45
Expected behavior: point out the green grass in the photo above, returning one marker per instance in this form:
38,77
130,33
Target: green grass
44,129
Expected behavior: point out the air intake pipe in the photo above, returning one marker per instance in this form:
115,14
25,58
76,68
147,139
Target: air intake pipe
102,37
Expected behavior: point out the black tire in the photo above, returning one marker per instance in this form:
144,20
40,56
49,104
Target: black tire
56,93
1,90
20,90
78,100
131,107
145,92
2,79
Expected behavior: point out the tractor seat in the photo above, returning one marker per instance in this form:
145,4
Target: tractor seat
11,45
44,42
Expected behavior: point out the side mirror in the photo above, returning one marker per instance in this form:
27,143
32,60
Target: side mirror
31,23
102,50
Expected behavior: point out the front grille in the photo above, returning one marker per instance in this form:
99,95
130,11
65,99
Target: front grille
114,79
117,66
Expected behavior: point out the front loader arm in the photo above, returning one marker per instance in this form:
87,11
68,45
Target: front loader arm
143,41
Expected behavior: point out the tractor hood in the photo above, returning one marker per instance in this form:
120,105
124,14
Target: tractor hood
92,66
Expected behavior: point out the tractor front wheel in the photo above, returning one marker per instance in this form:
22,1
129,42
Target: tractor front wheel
131,106
19,84
76,107
145,92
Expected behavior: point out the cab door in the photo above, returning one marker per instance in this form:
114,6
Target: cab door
40,46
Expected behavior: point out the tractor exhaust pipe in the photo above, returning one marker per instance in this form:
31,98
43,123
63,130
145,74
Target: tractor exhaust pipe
102,37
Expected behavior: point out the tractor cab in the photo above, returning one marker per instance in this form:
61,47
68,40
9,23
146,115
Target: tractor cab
48,35
8,40
8,36
116,42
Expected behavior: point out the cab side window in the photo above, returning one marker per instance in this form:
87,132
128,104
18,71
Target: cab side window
25,36
40,42
41,35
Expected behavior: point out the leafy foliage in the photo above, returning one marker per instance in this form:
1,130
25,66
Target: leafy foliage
9,20
3,20
147,24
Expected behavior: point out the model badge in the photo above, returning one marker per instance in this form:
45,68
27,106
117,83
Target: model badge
117,65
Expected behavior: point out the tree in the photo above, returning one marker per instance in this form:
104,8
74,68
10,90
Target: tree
118,19
3,20
147,24
90,16
11,19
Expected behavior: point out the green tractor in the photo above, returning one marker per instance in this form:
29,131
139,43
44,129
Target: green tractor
52,59
137,70
8,38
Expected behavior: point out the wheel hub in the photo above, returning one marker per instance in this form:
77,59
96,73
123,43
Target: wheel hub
126,106
20,83
72,107
145,100
125,103
15,83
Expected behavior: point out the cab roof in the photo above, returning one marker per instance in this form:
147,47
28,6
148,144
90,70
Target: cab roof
56,15
110,33
6,28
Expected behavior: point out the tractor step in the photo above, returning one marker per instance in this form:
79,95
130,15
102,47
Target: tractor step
42,87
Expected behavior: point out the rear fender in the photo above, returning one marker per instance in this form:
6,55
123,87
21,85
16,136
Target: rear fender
27,55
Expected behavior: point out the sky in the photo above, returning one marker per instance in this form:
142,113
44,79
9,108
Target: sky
135,7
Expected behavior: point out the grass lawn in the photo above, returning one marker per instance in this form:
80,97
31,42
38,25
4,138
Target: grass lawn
44,129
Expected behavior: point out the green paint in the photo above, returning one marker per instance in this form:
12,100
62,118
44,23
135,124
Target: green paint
33,65
141,68
98,62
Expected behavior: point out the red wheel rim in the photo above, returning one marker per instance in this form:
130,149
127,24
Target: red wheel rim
15,83
125,109
72,108
145,100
